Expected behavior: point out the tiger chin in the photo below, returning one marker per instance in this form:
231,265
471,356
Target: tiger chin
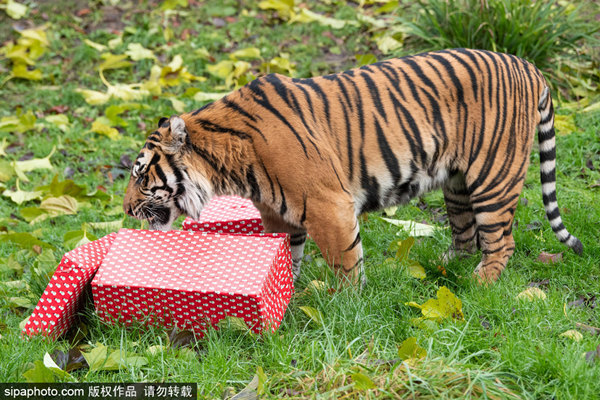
313,154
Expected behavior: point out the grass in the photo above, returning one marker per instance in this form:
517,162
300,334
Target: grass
505,348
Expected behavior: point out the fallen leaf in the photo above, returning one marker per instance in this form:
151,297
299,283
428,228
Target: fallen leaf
39,373
447,305
593,355
362,381
573,335
416,270
249,53
113,61
94,45
233,323
20,196
96,357
531,294
409,349
102,126
137,52
15,10
413,228
58,371
549,258
315,315
21,167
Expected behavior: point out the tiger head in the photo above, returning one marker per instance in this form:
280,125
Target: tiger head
161,186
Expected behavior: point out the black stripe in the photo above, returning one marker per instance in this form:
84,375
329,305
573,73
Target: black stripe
234,106
303,217
283,207
355,243
261,98
254,188
375,97
324,98
387,154
212,127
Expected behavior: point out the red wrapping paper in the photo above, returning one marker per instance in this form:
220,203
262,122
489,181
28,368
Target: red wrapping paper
194,279
227,214
56,309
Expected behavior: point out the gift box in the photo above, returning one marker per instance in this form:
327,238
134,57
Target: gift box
193,279
227,214
56,309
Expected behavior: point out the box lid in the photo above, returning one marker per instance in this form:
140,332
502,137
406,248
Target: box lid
58,304
189,261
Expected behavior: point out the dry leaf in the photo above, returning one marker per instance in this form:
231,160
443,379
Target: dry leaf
531,294
548,258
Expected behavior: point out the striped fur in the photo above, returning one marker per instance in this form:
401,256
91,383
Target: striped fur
315,153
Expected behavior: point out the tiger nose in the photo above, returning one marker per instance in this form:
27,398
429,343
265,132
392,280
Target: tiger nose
129,211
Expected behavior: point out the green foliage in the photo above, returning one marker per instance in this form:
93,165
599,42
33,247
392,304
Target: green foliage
539,31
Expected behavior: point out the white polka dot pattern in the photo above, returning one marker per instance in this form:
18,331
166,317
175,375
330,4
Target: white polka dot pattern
192,279
56,309
227,214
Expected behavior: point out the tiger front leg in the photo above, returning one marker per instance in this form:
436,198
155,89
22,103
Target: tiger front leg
335,230
274,223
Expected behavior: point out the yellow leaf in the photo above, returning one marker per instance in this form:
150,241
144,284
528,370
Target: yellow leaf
102,126
93,97
15,10
285,8
221,69
390,211
250,52
413,228
532,294
315,315
592,107
94,45
21,71
127,92
114,43
113,61
29,165
19,196
305,15
386,44
447,305
61,121
63,205
573,335
410,350
176,63
565,124
416,270
178,105
137,52
204,96
37,35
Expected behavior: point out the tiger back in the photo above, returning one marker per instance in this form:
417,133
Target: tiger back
315,153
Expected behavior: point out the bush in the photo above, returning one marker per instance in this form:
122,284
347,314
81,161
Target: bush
538,31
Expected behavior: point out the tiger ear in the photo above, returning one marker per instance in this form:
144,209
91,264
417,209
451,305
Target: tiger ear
178,132
162,121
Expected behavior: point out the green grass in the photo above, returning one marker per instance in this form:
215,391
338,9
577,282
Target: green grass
505,348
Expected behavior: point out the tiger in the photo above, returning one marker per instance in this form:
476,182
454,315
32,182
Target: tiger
313,154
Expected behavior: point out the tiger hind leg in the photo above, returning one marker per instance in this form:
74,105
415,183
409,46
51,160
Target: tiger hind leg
494,218
460,216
